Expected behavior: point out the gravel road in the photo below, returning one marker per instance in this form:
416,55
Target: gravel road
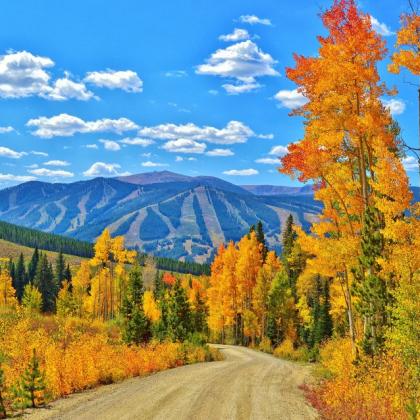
246,385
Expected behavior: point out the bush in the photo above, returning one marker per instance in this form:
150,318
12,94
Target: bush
265,345
287,351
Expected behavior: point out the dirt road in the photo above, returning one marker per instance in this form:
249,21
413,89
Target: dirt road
246,385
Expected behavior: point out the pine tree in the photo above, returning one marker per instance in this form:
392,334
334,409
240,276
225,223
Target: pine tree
67,274
289,237
21,277
369,287
59,271
31,389
137,325
261,239
179,314
33,265
158,288
44,281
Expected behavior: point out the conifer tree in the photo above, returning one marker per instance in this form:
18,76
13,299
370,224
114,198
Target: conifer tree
369,287
179,314
60,268
261,239
44,281
20,279
31,389
33,265
137,325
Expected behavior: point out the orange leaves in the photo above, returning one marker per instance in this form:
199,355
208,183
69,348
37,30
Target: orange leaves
169,279
77,354
408,46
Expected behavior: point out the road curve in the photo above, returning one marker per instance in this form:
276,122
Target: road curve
246,385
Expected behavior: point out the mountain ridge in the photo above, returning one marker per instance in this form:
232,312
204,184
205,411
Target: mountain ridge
163,213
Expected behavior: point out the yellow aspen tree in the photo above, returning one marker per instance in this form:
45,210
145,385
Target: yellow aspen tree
8,298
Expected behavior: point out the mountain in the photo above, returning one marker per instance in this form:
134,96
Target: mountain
162,213
278,190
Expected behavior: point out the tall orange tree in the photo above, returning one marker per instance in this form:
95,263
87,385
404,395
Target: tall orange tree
349,148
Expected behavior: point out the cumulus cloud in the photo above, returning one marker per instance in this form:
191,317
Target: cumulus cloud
23,74
241,172
110,145
51,173
64,89
220,152
380,28
65,125
255,20
278,150
9,153
268,161
7,129
137,141
57,163
104,169
243,61
184,146
127,80
16,178
91,146
290,98
411,163
395,106
150,164
234,132
235,36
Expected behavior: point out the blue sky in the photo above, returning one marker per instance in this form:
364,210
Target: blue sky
100,87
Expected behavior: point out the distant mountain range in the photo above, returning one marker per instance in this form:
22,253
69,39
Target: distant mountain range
162,213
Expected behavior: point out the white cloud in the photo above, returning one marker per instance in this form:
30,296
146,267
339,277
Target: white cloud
16,178
395,106
104,169
241,172
137,141
184,146
66,125
234,132
9,153
220,152
176,73
146,154
290,98
91,146
279,150
380,28
150,164
51,173
64,89
266,136
36,153
254,20
410,163
110,145
57,163
23,74
243,61
127,80
240,88
7,129
235,36
213,92
268,161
